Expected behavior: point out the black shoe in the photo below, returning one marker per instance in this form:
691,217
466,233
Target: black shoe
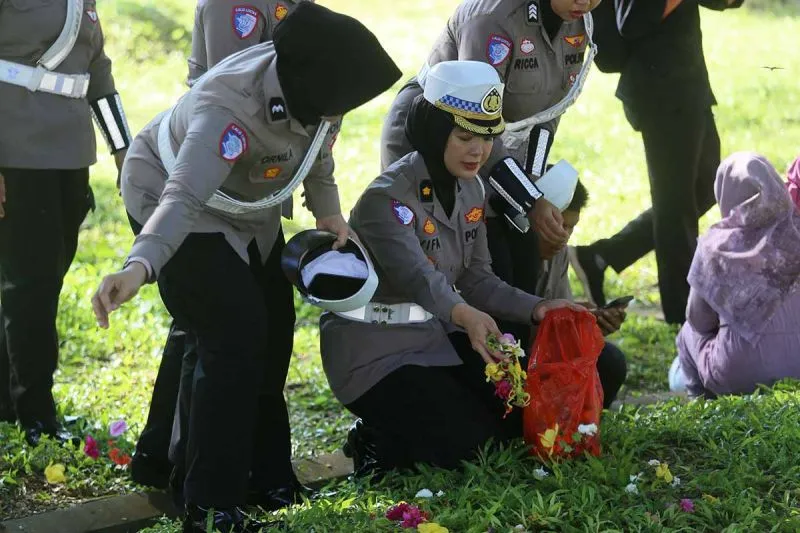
229,520
54,430
361,447
150,471
584,263
280,497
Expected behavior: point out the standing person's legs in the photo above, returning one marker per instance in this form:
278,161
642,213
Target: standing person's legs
7,413
273,483
207,286
38,240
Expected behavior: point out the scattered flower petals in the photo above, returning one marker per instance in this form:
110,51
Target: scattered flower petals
637,477
548,438
413,517
540,473
502,389
519,527
432,527
687,505
587,429
676,482
631,488
118,457
440,493
424,493
118,428
662,472
395,512
710,499
654,462
90,447
54,473
507,338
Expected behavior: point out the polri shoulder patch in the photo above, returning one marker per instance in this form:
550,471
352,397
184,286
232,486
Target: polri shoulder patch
498,48
244,20
233,143
426,191
402,212
277,109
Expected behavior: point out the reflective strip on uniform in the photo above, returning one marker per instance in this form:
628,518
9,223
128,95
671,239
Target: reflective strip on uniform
378,313
39,79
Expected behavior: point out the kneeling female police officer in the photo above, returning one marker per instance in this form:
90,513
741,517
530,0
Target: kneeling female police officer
422,221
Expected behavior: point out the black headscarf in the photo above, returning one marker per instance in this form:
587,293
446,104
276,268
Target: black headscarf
428,128
550,21
329,63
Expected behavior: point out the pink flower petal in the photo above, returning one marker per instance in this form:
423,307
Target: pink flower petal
118,428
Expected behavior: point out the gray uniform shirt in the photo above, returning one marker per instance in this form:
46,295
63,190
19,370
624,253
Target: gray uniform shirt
222,27
226,135
40,130
419,254
537,72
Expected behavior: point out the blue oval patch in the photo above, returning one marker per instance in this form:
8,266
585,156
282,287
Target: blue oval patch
402,212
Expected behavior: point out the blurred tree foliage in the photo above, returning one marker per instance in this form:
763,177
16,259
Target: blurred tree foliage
146,30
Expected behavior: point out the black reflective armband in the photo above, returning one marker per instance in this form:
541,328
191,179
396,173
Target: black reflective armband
110,118
539,144
512,184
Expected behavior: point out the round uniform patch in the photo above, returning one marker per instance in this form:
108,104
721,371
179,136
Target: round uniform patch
244,20
281,11
233,143
402,213
474,215
491,102
526,46
498,48
429,227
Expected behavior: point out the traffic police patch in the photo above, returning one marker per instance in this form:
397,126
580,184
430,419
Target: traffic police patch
498,48
429,227
244,20
277,109
533,11
280,11
575,41
402,212
92,14
491,102
426,191
475,215
233,143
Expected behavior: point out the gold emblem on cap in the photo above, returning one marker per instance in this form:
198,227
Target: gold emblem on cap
492,102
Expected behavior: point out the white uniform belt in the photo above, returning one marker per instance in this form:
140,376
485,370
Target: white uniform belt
378,313
42,80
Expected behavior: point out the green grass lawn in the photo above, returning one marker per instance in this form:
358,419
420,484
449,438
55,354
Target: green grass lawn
740,452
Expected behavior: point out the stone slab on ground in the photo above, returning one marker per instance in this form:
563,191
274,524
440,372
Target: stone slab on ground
132,512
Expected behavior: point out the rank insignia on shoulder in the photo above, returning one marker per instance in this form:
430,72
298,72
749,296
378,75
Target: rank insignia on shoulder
575,41
92,14
426,191
233,143
533,11
474,215
277,109
244,20
280,11
402,212
498,48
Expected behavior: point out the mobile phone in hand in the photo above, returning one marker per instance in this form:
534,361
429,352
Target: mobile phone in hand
619,302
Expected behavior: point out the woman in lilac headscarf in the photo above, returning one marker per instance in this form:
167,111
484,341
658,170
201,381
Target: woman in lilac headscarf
743,318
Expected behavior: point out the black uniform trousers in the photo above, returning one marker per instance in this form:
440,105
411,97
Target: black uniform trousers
445,415
515,260
237,420
38,240
683,152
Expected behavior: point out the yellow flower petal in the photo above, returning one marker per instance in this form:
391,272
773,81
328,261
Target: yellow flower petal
54,473
548,439
494,372
710,499
662,471
431,527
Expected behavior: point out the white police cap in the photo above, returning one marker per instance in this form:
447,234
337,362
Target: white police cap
469,90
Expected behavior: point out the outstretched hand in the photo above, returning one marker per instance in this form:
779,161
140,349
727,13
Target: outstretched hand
116,289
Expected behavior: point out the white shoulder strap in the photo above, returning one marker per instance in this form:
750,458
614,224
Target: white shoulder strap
60,49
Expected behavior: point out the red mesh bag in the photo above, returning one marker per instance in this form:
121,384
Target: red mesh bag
566,395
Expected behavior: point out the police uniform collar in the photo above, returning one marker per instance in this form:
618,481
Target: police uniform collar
420,174
275,102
